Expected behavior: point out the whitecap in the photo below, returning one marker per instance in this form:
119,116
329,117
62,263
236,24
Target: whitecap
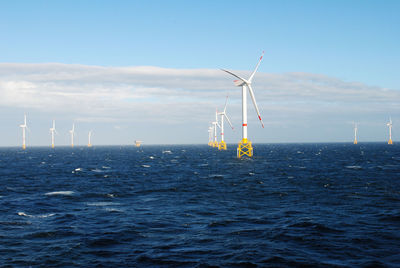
113,210
78,169
146,166
151,157
101,204
97,170
354,167
105,167
167,152
37,216
60,193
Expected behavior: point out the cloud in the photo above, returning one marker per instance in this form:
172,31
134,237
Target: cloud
113,94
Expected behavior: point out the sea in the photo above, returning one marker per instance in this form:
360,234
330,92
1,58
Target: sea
291,205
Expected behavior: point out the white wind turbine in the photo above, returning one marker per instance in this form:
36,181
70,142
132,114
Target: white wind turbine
24,127
72,132
244,147
210,130
90,136
215,124
390,131
355,133
53,131
222,144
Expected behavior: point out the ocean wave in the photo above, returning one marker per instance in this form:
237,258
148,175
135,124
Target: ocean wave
36,216
60,193
353,167
102,204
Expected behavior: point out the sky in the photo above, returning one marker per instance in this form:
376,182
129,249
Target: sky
150,70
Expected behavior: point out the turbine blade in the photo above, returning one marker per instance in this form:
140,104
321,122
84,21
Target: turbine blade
229,121
235,75
226,102
255,104
255,70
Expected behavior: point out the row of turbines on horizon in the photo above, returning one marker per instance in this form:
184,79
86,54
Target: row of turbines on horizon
245,147
53,131
389,124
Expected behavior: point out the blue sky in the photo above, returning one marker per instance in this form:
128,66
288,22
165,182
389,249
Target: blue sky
352,41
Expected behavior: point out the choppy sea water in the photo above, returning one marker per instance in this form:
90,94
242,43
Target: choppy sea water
291,205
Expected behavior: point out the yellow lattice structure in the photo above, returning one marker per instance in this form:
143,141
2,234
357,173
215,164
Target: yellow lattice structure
222,145
355,141
244,148
215,144
390,141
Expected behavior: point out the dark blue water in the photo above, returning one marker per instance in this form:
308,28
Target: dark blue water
193,206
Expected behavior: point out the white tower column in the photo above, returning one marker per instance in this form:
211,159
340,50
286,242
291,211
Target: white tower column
52,139
244,113
23,138
222,128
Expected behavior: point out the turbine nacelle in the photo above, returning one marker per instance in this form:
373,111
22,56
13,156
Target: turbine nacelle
247,83
239,83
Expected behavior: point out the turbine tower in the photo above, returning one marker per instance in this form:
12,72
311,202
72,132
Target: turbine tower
53,131
72,131
390,131
355,133
215,124
90,135
24,127
222,144
210,138
244,146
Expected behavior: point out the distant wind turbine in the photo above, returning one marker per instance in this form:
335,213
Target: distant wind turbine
245,147
390,131
53,131
355,133
90,136
72,132
210,130
24,127
215,125
222,144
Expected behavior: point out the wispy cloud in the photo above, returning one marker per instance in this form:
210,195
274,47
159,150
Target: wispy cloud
113,94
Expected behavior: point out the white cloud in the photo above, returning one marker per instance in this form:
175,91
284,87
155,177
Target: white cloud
177,96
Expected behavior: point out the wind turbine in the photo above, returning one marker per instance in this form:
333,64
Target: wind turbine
53,131
244,146
215,124
90,135
210,130
72,131
24,127
390,131
355,133
222,144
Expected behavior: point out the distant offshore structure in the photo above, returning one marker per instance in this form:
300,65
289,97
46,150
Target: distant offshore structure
222,144
24,127
72,132
390,131
53,131
355,133
215,124
210,136
138,143
244,146
89,138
